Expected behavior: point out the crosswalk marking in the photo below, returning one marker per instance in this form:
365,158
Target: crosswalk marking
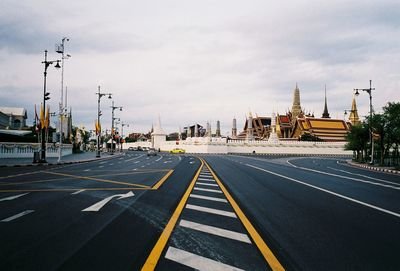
210,210
207,198
215,231
207,190
196,261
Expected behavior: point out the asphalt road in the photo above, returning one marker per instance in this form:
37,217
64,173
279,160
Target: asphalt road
181,212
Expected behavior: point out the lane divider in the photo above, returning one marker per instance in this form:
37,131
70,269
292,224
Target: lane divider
258,240
155,254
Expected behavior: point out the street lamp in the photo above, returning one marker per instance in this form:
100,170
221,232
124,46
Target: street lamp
99,95
112,125
369,91
60,48
122,132
46,94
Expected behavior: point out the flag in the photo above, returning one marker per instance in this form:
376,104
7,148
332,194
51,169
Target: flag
37,121
41,117
376,136
98,127
47,120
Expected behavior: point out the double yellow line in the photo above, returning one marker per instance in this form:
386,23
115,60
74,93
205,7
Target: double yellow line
157,250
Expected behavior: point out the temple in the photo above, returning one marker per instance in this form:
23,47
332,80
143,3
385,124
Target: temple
296,123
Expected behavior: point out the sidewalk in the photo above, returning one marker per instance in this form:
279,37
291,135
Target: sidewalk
69,159
375,168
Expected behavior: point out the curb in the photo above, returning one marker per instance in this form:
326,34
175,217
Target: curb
373,168
62,163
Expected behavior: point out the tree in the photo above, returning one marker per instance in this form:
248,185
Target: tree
379,127
392,116
357,140
309,137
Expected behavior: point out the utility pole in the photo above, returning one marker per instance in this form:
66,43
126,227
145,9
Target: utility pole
369,91
99,95
45,97
112,124
122,133
60,48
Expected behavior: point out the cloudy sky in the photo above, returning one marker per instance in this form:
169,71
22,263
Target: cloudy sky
197,61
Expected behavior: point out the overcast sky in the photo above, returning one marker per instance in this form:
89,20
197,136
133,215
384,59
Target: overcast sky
197,61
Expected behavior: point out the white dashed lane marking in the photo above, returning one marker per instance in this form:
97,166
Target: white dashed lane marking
207,198
207,190
210,210
215,231
195,261
11,218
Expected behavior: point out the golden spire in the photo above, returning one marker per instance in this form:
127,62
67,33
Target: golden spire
353,118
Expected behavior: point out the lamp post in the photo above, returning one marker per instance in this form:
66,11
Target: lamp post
99,95
60,48
46,94
112,124
369,91
122,132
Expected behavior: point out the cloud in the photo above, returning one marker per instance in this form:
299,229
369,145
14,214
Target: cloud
201,61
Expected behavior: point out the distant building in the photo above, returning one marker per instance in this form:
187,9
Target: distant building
13,118
139,137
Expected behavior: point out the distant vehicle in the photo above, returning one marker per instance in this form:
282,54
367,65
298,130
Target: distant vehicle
139,148
145,148
132,149
152,152
177,150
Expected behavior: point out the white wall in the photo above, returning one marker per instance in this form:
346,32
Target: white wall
26,150
205,145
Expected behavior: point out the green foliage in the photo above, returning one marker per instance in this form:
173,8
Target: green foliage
386,130
357,140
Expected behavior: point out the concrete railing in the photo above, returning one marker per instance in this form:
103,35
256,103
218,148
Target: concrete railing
26,150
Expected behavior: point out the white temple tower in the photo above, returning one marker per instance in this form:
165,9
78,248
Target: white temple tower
234,129
218,130
250,134
273,137
158,136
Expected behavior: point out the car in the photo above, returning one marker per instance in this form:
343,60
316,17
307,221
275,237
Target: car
145,148
132,149
177,150
152,152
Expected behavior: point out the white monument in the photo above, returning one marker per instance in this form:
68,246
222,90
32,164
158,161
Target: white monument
158,137
273,137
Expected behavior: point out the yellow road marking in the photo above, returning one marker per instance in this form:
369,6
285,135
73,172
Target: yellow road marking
155,254
72,189
163,179
128,173
262,246
99,180
30,182
21,174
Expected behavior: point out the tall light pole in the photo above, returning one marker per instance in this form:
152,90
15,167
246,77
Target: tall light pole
46,97
369,91
60,48
99,95
122,132
112,124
